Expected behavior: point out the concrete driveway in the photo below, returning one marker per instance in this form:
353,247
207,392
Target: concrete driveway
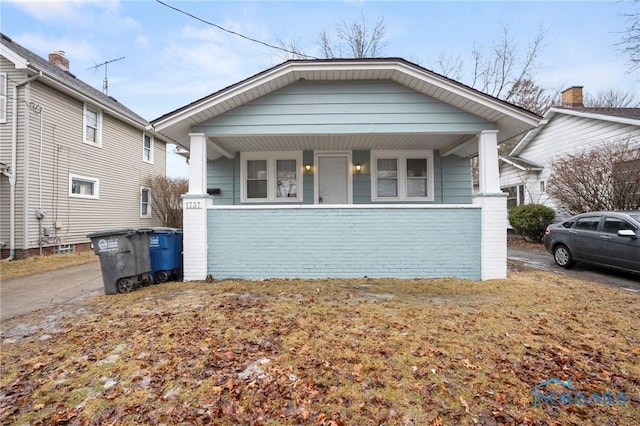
540,259
26,294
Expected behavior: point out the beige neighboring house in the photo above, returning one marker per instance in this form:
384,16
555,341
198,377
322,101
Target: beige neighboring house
569,129
72,160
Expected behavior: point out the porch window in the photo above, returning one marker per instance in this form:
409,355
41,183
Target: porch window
92,125
402,176
271,176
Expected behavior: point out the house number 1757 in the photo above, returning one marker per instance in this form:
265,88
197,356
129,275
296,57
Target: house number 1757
192,204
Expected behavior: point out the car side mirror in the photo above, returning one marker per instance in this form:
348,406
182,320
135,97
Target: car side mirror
626,233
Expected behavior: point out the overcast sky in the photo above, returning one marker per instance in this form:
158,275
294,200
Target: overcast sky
171,59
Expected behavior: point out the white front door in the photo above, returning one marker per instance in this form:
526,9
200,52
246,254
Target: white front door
332,172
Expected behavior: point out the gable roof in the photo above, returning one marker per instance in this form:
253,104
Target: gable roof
617,115
65,81
510,119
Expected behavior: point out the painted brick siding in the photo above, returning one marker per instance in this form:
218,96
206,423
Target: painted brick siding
263,243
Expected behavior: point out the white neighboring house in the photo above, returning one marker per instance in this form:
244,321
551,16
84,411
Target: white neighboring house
569,129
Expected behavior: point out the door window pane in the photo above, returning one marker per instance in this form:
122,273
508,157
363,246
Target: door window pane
589,223
286,178
387,174
612,225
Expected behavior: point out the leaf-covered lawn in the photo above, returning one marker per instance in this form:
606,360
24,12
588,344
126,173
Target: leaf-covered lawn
335,352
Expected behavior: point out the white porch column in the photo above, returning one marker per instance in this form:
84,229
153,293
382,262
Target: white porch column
488,169
198,163
194,208
494,209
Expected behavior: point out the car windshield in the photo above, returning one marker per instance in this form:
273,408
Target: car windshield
635,216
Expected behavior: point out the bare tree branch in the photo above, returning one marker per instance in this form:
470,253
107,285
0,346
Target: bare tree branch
290,50
354,39
166,200
612,99
629,44
606,177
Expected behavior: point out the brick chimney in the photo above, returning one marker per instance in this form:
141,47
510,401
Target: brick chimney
572,97
58,58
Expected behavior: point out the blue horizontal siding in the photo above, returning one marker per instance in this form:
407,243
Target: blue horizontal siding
452,180
343,107
343,243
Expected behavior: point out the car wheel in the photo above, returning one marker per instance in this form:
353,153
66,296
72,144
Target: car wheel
562,256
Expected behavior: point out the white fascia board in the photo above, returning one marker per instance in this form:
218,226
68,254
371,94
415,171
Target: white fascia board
517,150
596,116
17,60
519,166
468,93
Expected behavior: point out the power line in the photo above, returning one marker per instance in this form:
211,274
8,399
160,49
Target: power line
235,33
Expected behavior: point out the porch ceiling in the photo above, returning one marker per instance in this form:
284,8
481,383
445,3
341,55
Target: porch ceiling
229,146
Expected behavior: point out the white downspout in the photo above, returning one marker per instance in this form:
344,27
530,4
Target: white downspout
14,163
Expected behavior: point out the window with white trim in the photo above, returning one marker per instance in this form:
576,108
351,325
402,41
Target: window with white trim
402,175
3,97
145,202
147,148
92,123
271,176
84,187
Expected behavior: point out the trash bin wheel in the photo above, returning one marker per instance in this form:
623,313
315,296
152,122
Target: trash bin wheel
161,277
125,285
146,280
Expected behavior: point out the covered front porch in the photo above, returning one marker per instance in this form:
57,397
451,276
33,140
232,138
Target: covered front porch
311,238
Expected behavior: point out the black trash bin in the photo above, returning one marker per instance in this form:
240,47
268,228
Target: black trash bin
124,258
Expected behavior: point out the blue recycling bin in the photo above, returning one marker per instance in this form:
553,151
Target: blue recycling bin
165,252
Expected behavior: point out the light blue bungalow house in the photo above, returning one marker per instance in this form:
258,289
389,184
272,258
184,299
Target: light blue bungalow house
344,168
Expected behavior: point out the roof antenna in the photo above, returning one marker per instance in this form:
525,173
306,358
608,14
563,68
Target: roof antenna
105,82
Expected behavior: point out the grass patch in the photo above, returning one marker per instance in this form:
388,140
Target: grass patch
352,352
36,264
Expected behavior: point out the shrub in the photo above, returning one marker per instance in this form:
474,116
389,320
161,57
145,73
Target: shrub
530,220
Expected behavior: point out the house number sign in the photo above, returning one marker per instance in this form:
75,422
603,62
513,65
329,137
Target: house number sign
192,205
